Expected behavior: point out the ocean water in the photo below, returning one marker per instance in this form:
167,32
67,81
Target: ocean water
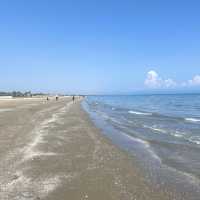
162,131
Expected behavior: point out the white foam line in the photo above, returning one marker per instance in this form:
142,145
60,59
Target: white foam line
192,119
156,129
195,139
159,130
138,113
145,143
177,135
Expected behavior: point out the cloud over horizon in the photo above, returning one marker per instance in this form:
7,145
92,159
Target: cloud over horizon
154,81
195,81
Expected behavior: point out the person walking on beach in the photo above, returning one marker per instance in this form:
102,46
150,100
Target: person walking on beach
73,98
56,97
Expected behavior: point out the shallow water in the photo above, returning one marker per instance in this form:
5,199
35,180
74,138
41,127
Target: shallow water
165,128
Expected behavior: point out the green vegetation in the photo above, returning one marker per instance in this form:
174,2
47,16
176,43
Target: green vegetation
21,94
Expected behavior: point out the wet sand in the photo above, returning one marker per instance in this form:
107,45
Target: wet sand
52,151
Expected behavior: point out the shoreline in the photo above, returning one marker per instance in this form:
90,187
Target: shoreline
177,183
54,151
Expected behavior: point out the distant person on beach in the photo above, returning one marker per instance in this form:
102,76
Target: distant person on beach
47,98
56,97
73,98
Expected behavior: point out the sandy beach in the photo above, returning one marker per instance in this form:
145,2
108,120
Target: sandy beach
51,150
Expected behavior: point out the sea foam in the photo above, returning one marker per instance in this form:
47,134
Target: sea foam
193,119
138,113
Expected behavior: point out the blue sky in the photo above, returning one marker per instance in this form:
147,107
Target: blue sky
102,46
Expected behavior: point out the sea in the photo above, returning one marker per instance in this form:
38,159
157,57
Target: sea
160,131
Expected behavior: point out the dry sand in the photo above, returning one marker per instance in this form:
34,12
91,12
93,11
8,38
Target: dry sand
52,151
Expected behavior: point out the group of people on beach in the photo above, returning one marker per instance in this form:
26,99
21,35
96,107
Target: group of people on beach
57,98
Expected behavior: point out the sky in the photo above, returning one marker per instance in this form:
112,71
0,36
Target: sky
97,47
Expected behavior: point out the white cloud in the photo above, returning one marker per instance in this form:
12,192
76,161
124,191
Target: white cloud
195,81
153,80
170,83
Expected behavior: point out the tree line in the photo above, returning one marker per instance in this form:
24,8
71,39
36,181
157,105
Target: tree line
20,94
